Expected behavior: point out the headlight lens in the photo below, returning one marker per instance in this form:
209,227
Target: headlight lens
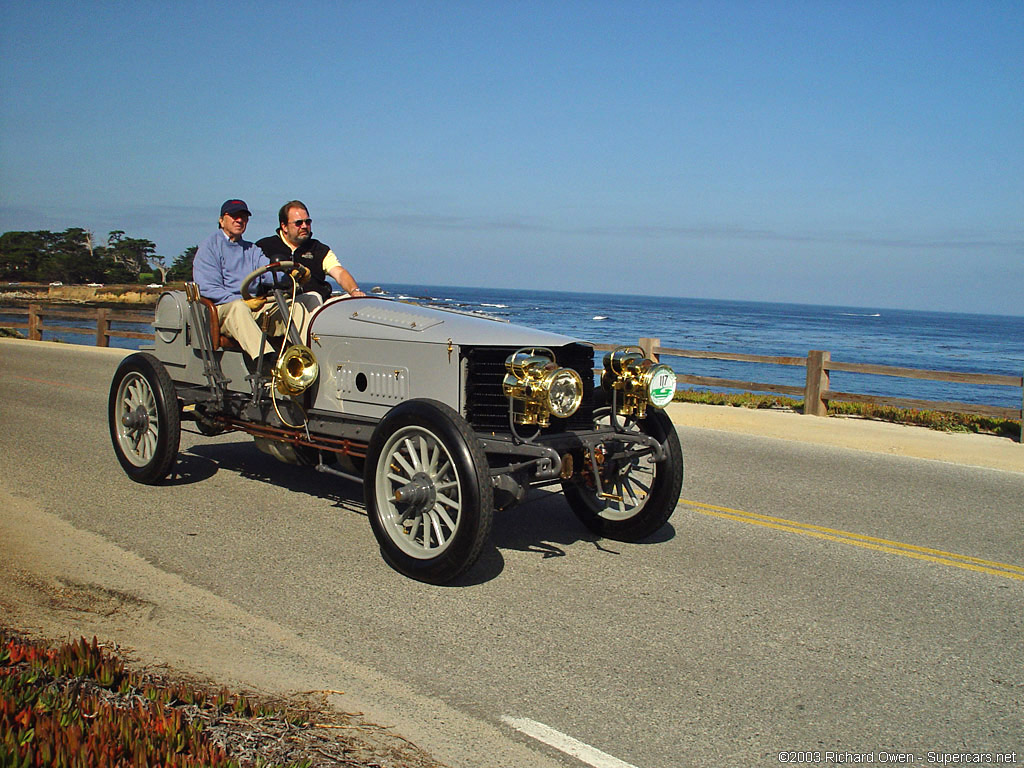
565,393
539,388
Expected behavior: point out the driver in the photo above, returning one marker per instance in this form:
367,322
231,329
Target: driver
294,242
222,263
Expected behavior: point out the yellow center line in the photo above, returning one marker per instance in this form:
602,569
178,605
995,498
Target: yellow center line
859,540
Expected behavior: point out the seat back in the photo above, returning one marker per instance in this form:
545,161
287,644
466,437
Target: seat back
218,339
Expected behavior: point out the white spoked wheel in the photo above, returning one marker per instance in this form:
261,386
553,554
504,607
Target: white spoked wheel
629,485
420,493
144,418
636,495
428,493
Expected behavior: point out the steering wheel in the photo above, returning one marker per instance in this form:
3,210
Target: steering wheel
280,266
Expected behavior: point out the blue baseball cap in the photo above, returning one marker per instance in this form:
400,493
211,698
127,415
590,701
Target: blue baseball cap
234,206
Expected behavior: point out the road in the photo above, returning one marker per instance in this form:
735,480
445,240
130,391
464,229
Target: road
802,598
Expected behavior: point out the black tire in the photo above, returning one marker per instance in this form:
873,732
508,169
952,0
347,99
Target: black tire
144,417
426,452
646,492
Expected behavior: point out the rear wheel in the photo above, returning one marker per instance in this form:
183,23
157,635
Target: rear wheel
428,491
637,495
144,418
206,423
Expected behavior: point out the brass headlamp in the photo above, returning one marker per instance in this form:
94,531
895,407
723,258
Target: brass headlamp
640,380
540,388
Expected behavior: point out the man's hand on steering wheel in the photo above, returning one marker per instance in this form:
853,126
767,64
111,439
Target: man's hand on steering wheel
300,273
247,287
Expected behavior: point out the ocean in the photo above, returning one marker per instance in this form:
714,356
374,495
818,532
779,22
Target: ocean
929,340
911,339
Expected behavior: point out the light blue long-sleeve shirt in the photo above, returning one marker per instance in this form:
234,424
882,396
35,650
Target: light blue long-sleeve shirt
221,265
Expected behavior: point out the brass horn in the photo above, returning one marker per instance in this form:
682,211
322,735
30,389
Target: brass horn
296,369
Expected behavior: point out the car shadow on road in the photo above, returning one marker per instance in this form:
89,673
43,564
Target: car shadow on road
542,524
539,527
201,462
190,469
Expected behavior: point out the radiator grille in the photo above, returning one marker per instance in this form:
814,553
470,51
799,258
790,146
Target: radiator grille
486,404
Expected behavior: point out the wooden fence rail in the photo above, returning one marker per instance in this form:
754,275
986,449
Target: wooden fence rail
102,316
816,391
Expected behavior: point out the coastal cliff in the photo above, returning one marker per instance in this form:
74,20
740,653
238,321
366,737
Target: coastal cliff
136,295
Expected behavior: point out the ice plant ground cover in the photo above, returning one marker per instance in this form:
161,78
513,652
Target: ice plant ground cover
77,704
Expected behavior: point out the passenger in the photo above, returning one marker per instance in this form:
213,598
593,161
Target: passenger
222,262
294,242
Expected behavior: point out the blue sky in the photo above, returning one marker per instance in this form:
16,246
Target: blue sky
867,153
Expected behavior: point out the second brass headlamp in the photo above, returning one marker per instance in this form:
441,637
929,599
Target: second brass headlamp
640,380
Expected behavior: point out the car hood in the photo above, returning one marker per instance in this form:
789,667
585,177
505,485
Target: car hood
387,319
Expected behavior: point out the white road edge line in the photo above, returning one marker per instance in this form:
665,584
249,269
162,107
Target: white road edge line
563,743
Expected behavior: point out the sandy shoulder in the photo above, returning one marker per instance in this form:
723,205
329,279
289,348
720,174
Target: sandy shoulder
59,582
857,434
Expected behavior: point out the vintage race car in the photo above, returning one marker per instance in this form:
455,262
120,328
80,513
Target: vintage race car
442,416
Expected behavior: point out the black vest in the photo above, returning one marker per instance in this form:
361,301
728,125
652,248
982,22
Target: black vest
309,254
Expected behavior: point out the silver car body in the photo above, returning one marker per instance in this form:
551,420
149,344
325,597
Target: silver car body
373,352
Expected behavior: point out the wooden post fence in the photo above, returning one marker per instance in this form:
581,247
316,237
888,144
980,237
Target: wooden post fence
649,346
103,327
103,317
817,383
35,323
816,391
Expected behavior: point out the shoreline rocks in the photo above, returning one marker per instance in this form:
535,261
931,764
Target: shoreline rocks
136,295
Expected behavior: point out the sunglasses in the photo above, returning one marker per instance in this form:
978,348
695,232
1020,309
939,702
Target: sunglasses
300,222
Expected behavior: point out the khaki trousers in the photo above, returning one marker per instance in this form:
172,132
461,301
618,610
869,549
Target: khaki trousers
244,325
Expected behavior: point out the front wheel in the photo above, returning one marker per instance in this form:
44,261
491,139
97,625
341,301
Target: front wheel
144,418
637,495
428,491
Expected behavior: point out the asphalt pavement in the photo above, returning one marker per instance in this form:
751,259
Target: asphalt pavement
819,587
